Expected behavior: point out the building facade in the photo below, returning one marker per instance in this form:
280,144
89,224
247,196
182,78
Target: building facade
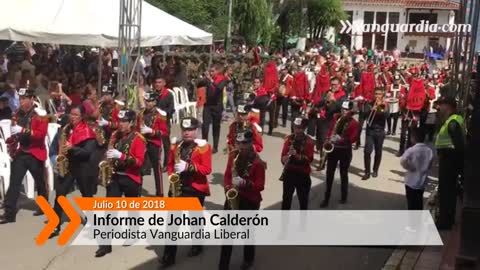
390,12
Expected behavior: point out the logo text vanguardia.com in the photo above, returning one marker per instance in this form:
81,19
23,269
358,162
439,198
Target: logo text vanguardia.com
422,27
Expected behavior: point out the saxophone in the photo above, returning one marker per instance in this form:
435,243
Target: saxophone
105,167
174,178
232,194
62,159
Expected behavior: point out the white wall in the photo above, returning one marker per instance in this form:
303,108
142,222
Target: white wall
358,15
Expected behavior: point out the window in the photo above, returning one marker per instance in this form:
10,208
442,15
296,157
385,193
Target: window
416,18
368,17
367,40
393,17
344,38
392,39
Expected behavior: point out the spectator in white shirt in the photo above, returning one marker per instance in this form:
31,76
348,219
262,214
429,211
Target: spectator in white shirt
13,98
417,161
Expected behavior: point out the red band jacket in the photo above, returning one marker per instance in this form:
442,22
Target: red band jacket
255,181
155,119
199,167
133,147
34,130
350,134
301,162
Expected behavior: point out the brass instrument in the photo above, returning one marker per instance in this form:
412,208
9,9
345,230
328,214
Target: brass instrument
232,193
174,178
106,166
294,143
377,107
62,159
328,146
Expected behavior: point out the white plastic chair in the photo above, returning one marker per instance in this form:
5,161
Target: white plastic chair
181,105
176,115
4,168
190,106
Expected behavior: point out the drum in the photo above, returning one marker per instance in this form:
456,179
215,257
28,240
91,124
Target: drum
393,106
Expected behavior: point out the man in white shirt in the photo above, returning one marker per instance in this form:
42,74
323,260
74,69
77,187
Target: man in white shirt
417,161
13,98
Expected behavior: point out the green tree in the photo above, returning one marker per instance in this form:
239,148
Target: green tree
254,20
209,15
323,14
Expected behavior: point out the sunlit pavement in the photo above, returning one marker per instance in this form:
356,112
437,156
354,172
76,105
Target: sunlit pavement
19,251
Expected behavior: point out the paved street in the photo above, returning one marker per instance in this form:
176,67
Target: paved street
19,251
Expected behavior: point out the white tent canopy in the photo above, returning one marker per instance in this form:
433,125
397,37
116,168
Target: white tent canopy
90,23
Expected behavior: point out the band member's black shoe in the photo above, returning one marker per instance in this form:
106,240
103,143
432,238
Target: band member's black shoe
374,174
55,233
324,204
393,134
37,213
270,133
356,147
388,133
164,169
343,201
214,151
195,251
167,261
102,251
284,125
7,219
366,176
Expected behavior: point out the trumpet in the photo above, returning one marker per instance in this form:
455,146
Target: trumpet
174,178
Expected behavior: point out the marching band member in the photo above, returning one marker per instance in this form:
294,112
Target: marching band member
270,83
297,155
397,91
165,102
28,152
375,134
108,112
429,108
152,124
264,103
330,104
77,145
245,173
127,153
364,95
242,123
213,108
385,77
342,134
415,101
191,159
299,95
282,100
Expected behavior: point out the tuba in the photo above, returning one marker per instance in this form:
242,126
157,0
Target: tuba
105,167
62,159
174,178
232,194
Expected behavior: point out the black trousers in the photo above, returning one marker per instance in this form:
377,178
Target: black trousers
295,110
374,141
300,182
414,198
312,125
321,133
78,172
20,165
344,156
153,154
212,115
166,144
362,117
248,251
171,251
282,102
264,104
449,171
392,126
404,137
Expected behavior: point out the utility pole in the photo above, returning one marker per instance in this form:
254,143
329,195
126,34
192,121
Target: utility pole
228,40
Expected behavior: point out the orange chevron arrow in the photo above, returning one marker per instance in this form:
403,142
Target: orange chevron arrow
53,220
75,220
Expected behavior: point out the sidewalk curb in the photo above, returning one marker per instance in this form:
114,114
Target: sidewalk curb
407,257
